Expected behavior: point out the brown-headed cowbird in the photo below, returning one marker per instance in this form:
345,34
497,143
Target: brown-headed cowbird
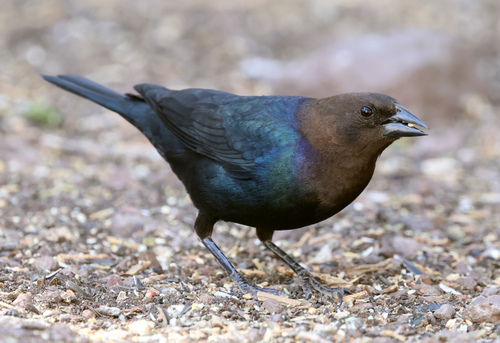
271,162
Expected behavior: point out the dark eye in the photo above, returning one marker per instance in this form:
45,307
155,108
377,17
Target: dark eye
366,111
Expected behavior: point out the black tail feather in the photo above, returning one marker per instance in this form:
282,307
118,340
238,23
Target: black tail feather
131,107
93,91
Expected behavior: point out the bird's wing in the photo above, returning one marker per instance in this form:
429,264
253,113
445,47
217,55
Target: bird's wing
235,131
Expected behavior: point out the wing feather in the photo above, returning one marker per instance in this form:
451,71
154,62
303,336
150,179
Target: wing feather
235,131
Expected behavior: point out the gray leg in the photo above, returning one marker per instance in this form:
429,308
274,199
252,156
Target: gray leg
238,279
307,281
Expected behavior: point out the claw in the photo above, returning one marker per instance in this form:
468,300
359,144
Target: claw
305,279
247,288
306,288
340,295
307,283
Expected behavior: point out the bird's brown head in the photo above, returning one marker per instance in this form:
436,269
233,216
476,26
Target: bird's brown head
359,122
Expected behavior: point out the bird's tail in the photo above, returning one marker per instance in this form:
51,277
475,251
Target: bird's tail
130,107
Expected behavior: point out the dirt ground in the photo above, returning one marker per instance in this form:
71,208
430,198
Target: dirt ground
96,238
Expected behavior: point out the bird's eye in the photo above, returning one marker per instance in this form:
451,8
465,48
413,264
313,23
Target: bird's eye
366,111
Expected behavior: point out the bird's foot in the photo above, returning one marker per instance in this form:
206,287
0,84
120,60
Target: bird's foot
309,284
247,288
238,279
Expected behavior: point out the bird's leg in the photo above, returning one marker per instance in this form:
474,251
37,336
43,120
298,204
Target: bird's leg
307,281
238,279
204,226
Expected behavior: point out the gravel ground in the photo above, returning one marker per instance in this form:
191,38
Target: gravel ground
96,238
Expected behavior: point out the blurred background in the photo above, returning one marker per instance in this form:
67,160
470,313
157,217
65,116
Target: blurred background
64,157
78,180
436,58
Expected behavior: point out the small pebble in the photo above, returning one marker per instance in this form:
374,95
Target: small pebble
175,310
483,309
172,292
87,314
450,323
446,312
65,318
68,296
46,263
272,305
277,318
406,246
426,289
49,313
491,290
112,281
22,300
109,311
122,296
197,306
325,330
152,292
217,321
219,294
52,295
341,315
141,327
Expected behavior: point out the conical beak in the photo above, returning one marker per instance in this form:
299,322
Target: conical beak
402,124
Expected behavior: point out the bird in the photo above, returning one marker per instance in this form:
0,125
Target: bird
269,162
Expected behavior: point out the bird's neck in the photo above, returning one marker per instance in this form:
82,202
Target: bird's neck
338,180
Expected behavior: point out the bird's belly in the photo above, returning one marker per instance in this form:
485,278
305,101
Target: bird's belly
259,204
272,218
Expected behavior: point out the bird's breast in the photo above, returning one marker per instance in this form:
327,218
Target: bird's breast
336,181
